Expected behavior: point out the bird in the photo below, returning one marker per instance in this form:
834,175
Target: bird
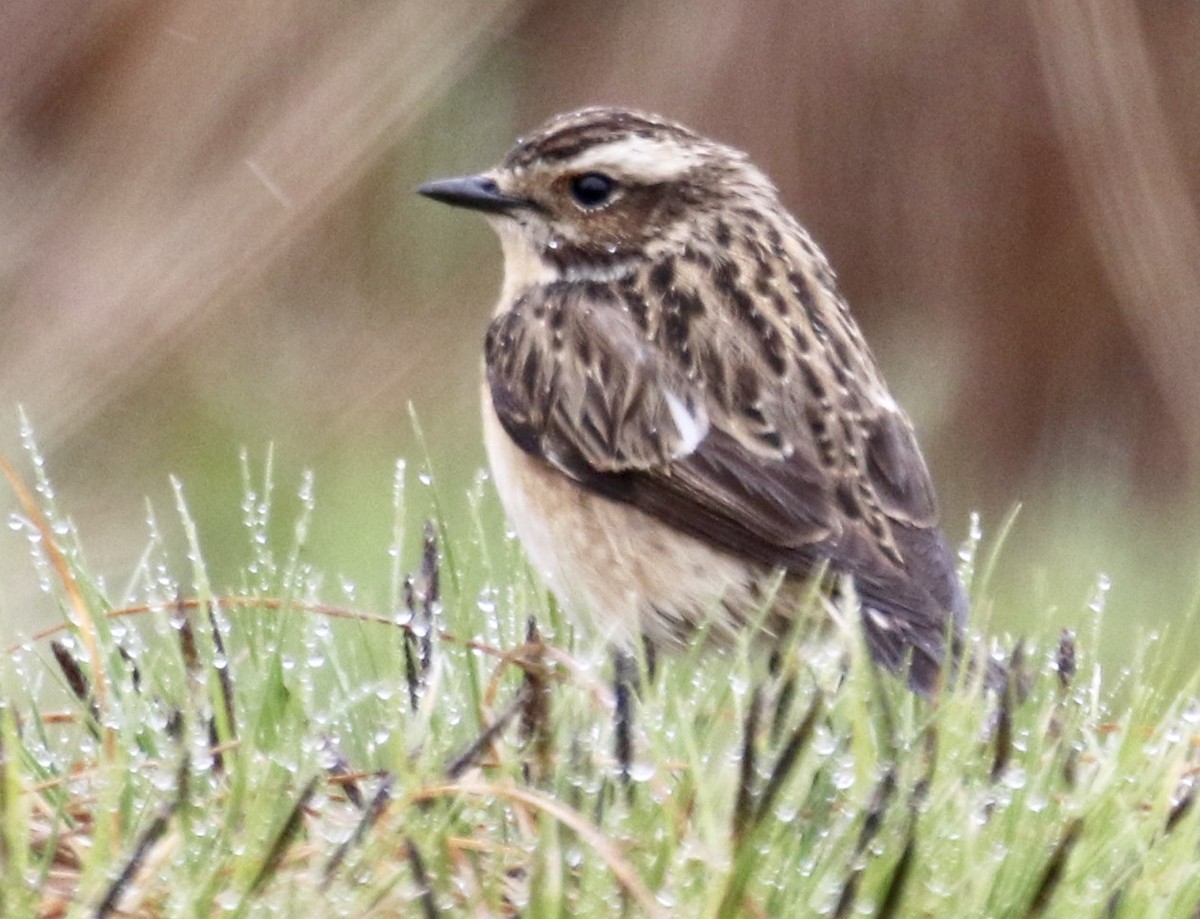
682,418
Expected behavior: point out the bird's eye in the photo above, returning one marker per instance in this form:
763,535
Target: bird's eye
592,189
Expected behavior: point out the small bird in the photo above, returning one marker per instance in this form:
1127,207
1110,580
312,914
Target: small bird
683,420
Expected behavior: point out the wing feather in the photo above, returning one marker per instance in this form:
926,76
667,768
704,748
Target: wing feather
622,418
761,467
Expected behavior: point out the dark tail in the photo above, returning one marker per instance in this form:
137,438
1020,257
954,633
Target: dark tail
914,616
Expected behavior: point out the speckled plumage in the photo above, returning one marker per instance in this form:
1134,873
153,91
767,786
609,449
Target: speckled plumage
678,402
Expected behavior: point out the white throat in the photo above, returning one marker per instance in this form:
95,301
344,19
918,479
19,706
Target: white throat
524,266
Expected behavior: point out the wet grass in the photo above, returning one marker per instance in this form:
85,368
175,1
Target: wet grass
281,746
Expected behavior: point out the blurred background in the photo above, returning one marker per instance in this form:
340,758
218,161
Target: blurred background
209,241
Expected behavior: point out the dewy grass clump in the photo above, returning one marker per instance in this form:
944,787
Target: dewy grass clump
179,751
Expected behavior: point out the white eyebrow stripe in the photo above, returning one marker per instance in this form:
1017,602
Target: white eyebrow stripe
648,158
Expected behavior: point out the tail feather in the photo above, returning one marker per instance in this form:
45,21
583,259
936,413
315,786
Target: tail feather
915,616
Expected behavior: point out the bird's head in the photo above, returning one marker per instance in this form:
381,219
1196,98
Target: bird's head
594,193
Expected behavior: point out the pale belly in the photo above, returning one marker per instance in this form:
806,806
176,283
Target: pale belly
615,565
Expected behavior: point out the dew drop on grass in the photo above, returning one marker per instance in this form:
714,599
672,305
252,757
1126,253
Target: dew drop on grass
1100,595
1014,778
936,887
786,812
327,756
824,743
42,757
641,772
336,833
305,493
843,774
966,551
203,829
163,780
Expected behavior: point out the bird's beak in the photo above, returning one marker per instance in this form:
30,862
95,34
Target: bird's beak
479,193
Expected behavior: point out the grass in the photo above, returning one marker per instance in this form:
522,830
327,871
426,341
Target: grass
272,748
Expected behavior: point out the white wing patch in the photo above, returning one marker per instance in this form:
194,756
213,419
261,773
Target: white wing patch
692,426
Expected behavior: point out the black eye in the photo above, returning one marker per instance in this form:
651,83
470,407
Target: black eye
592,189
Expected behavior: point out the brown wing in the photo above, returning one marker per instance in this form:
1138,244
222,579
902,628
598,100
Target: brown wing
695,437
574,381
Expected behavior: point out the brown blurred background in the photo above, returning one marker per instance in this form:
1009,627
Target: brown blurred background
209,240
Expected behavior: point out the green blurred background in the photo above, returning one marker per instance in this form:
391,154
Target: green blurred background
210,241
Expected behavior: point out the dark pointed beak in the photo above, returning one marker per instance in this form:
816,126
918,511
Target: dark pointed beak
476,192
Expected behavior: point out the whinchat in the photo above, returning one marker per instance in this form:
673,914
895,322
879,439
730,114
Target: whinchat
678,405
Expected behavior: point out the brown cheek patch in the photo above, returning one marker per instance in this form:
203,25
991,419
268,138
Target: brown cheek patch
616,232
630,220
